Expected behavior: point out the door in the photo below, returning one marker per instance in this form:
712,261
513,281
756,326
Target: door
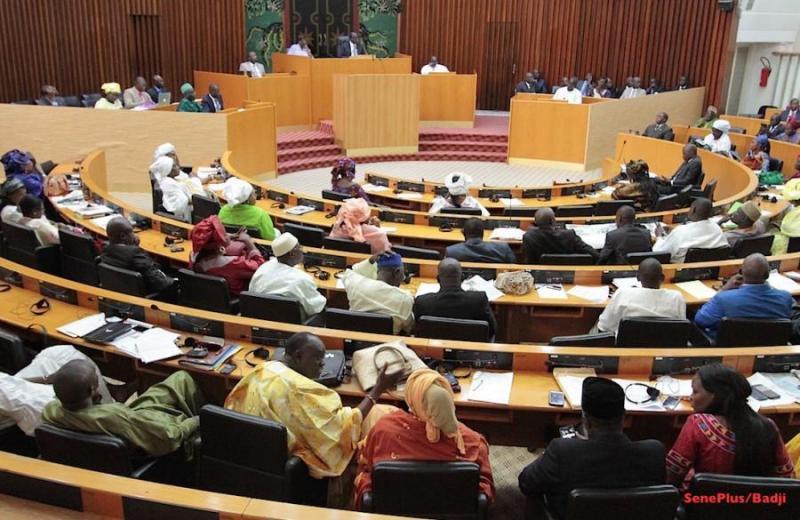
499,66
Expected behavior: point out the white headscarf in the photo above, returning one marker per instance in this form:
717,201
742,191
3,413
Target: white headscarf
236,191
161,167
722,125
457,183
164,149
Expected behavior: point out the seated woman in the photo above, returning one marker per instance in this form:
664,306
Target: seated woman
21,165
458,196
188,102
757,157
177,188
214,253
32,217
430,432
342,176
110,99
354,222
641,188
11,193
241,210
725,435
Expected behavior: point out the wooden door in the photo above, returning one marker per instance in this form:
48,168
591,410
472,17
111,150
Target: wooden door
499,66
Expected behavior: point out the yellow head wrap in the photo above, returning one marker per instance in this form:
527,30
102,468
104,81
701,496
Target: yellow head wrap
430,398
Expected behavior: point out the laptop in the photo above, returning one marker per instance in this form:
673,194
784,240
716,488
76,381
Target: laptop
164,98
108,332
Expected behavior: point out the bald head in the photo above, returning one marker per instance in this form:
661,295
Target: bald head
449,273
544,217
120,231
626,215
700,210
650,273
75,385
755,269
689,152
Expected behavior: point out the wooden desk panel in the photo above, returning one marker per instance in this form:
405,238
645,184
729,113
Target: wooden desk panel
751,125
448,100
290,93
283,63
233,87
252,141
562,139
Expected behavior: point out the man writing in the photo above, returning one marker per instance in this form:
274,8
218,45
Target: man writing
137,96
475,249
627,238
660,129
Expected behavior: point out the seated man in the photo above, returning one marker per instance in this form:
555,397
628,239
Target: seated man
647,301
252,67
123,251
629,237
433,66
475,249
532,84
712,114
350,46
300,48
688,173
698,232
158,422
137,96
457,196
24,395
775,127
429,431
454,302
792,110
32,210
749,222
373,285
569,92
241,209
718,141
279,277
157,89
633,89
660,129
544,238
790,134
746,295
48,97
605,459
212,102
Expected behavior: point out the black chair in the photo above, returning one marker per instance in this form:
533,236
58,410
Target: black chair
706,484
667,203
653,332
158,199
601,339
78,257
775,164
358,321
794,245
638,258
252,232
416,252
442,490
122,280
610,207
332,195
89,100
572,259
306,235
700,180
701,254
475,212
345,244
452,328
747,246
96,452
72,101
574,211
258,464
272,307
203,291
47,167
743,332
14,355
684,195
203,207
22,246
710,188
650,502
520,212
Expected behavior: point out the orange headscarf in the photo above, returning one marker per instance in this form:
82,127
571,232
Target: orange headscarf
351,214
430,398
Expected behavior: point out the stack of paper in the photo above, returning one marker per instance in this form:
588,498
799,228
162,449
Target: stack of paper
71,198
623,282
90,210
102,222
409,195
427,288
761,379
299,210
373,188
476,283
491,387
787,383
697,289
506,233
83,326
551,291
593,294
779,281
511,203
570,380
157,344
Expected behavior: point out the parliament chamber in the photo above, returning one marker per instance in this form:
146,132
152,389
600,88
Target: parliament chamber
355,260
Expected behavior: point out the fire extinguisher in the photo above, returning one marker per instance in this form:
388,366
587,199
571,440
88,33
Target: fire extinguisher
766,70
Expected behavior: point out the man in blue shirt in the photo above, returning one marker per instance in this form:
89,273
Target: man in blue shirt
746,295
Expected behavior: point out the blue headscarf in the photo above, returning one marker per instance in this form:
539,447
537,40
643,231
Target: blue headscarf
14,163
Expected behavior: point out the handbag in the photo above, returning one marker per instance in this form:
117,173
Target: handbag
515,282
368,362
56,185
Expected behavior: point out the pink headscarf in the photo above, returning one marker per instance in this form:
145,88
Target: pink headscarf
352,213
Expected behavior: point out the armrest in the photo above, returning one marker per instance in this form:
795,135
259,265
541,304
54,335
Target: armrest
366,502
317,320
300,487
483,506
235,305
699,338
140,471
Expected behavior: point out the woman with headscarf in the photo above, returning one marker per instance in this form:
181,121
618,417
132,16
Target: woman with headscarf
11,192
718,141
640,187
430,431
188,102
176,191
788,221
457,196
757,157
342,176
214,253
21,165
110,99
354,222
241,210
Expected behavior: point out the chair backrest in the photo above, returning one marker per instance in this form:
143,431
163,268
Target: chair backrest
744,332
121,280
270,307
332,195
700,180
78,257
794,245
651,502
653,332
358,321
520,212
775,164
701,254
89,100
602,339
203,207
416,252
706,484
158,199
574,211
446,490
452,328
709,189
461,211
103,453
683,196
252,232
747,246
345,244
667,202
638,258
610,207
572,259
14,356
21,244
203,291
72,101
306,235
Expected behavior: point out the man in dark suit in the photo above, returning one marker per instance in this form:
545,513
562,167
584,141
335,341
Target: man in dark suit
49,97
212,102
157,88
688,172
605,458
627,238
532,84
474,249
660,129
544,238
350,46
452,301
792,111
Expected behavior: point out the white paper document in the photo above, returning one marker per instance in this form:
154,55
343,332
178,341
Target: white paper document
299,210
597,294
102,222
631,281
427,288
157,344
551,291
779,281
697,289
476,283
491,387
373,188
83,326
75,197
572,388
93,210
506,233
760,379
511,203
596,240
409,195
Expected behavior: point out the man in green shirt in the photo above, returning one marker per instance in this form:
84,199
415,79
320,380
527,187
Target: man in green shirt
241,210
159,422
188,103
707,121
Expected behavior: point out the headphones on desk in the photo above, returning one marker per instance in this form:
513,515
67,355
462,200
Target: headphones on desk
317,272
652,393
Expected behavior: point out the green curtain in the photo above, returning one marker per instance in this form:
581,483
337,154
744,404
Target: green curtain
264,29
379,26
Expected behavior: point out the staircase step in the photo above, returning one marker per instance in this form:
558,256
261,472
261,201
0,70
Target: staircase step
309,163
462,146
305,139
295,154
427,136
461,156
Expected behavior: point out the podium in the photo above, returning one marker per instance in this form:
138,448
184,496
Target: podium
375,114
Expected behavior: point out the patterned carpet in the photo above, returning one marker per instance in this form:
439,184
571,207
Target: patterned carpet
507,463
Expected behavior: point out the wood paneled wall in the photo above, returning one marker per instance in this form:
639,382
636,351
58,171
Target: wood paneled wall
649,38
77,45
